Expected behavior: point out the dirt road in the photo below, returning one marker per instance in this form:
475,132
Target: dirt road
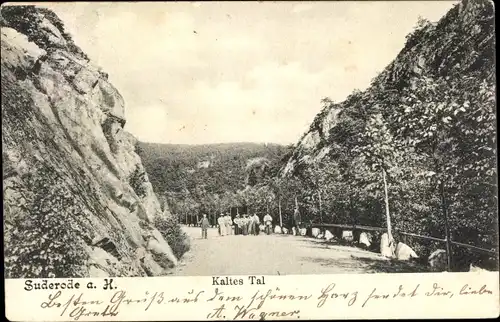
278,254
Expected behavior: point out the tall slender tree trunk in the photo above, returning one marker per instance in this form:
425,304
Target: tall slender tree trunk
279,209
351,209
320,208
387,213
444,208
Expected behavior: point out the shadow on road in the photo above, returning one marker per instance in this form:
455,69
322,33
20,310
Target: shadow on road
367,260
282,254
370,265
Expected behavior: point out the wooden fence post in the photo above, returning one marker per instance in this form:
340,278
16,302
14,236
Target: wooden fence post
446,227
387,212
279,210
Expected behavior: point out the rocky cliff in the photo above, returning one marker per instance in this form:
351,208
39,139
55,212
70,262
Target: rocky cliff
77,200
460,45
424,131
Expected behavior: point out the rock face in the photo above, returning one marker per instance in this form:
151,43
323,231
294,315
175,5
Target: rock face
365,239
476,269
77,200
347,235
437,49
404,252
444,68
255,170
328,235
437,260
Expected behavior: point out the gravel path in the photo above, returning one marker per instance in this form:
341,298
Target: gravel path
278,254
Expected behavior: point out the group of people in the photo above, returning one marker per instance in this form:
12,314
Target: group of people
243,225
225,223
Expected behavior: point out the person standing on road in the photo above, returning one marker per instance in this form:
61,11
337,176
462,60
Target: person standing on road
204,223
249,222
256,223
229,224
244,225
237,224
268,221
251,225
222,224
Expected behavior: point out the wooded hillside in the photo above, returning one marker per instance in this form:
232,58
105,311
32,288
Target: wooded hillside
206,178
425,128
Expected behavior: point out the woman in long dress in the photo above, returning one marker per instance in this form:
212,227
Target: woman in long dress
222,224
229,224
256,222
245,225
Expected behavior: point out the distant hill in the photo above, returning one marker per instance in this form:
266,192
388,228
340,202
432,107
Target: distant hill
214,168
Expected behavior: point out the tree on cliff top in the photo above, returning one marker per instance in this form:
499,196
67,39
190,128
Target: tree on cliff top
28,19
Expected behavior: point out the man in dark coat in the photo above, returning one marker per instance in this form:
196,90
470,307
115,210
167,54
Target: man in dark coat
204,223
268,222
237,225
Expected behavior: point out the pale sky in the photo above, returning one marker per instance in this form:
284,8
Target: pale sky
238,71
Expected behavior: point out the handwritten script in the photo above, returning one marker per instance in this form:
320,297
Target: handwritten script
231,303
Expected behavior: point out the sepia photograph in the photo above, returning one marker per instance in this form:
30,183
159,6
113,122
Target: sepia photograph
256,139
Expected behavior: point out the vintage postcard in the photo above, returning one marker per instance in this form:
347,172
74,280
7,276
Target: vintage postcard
260,160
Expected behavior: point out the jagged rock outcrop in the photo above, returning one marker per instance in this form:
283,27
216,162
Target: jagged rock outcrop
428,120
437,260
255,170
404,252
347,235
77,199
459,45
365,239
328,235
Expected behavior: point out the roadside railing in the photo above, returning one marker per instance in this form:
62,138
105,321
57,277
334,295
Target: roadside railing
380,229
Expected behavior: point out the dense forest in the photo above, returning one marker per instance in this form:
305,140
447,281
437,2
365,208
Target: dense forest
196,179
